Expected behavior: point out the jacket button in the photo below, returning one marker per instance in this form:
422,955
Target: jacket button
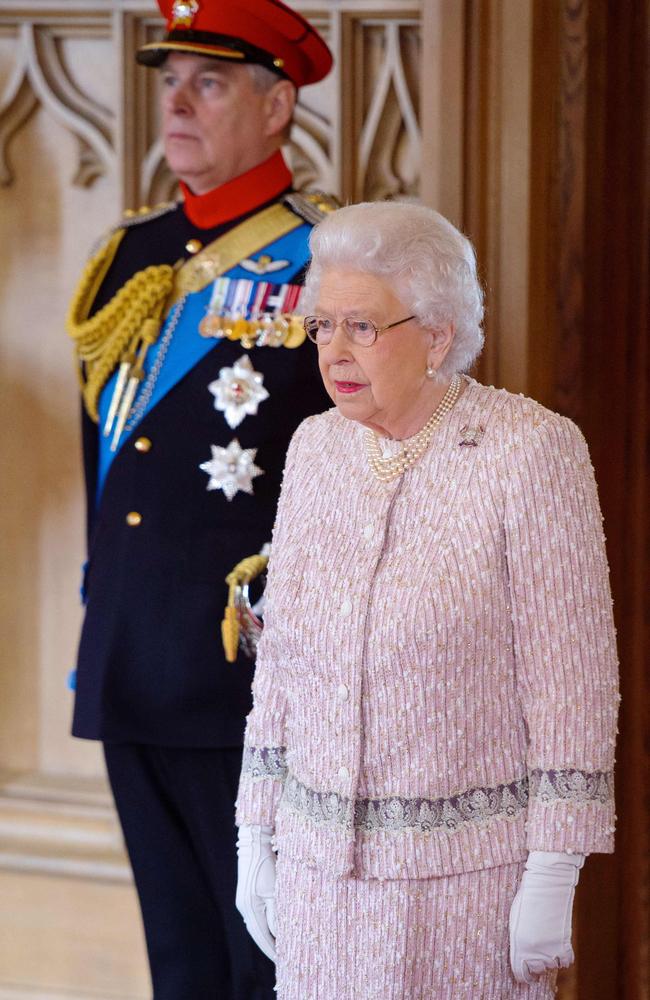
368,532
344,774
143,444
346,607
342,692
133,519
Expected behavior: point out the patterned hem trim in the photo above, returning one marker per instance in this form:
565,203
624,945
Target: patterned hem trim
476,805
265,762
573,785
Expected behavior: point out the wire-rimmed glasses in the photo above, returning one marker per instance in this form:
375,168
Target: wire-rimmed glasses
321,329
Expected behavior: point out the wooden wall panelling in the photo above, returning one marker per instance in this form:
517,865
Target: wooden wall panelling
615,405
496,181
590,212
442,101
557,208
556,332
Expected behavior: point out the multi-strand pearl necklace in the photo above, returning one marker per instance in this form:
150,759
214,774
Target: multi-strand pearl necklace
413,448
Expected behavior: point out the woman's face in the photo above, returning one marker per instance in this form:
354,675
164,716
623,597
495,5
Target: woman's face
383,386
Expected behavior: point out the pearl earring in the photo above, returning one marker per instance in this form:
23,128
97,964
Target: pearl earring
430,372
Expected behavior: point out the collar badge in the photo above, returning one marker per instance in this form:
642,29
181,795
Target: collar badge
183,13
238,391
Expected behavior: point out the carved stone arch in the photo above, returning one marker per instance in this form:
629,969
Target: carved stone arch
390,138
40,78
16,107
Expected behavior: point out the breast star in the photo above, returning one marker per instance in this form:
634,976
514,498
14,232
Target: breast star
231,469
238,391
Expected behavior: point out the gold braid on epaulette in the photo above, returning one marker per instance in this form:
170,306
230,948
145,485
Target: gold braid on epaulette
123,329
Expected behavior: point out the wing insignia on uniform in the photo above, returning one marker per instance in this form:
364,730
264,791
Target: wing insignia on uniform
263,264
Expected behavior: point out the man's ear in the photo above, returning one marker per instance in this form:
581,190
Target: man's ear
280,101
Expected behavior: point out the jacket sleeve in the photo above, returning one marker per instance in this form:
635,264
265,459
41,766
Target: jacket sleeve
264,767
564,639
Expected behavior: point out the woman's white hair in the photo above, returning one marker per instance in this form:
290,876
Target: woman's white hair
427,262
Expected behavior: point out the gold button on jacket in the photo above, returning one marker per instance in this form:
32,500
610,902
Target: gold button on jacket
143,444
133,519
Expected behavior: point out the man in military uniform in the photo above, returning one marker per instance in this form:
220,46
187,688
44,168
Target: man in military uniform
195,373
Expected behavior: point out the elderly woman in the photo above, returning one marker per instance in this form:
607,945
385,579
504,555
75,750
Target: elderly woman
432,738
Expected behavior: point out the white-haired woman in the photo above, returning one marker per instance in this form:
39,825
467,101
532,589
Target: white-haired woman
432,738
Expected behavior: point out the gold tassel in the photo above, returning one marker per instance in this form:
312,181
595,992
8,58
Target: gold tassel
230,633
243,573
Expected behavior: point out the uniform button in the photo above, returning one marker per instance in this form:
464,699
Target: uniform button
133,519
368,532
346,607
342,692
143,444
344,774
193,246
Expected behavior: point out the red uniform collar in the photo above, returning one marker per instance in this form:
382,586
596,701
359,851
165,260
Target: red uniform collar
240,195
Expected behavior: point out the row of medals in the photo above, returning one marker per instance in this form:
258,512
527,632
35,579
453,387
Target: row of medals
282,330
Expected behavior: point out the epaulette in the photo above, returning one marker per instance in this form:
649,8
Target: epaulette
134,217
312,206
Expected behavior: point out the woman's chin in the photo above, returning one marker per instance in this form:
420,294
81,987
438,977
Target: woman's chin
352,405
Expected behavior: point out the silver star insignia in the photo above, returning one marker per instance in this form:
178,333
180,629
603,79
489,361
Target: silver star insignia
238,391
231,469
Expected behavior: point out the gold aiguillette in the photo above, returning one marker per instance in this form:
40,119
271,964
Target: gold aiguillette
118,392
126,404
135,372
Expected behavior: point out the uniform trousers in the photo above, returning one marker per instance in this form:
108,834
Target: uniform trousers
398,939
176,807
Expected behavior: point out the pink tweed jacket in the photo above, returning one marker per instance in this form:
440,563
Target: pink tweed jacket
436,685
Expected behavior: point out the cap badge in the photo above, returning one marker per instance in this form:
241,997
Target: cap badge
183,13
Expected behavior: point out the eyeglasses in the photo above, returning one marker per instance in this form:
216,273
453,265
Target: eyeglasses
360,331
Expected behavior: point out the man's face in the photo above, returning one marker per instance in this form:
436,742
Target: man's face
216,124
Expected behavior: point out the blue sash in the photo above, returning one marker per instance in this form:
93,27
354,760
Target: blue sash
187,347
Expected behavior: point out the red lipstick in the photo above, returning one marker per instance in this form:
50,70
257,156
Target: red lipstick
348,387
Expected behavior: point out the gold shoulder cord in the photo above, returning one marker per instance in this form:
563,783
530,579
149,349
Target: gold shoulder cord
122,331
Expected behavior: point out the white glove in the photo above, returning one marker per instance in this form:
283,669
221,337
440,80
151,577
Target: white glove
255,897
540,916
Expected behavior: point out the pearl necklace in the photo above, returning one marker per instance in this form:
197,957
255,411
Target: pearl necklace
387,469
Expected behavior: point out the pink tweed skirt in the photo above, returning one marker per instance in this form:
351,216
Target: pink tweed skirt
426,939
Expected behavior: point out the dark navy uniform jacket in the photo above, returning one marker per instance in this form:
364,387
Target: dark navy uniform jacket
151,667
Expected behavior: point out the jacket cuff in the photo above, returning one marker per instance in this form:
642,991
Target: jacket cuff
261,783
571,811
